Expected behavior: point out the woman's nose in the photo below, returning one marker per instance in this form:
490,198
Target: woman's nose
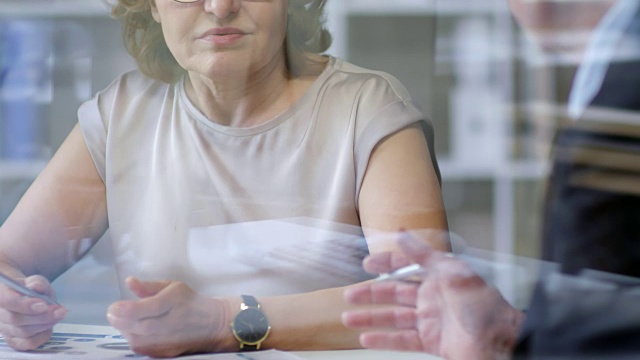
222,8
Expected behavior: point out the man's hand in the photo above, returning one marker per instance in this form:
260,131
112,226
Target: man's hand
452,313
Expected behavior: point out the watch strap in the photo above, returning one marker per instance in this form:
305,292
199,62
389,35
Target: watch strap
250,301
247,347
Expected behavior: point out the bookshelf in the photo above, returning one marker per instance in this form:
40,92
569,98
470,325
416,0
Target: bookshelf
86,55
53,8
83,54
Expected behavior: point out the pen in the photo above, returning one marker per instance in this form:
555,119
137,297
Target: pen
25,290
407,273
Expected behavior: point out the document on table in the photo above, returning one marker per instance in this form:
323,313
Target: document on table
82,342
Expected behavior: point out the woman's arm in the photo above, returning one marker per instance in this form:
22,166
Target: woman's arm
400,191
59,218
61,215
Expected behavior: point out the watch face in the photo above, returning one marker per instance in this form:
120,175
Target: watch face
251,325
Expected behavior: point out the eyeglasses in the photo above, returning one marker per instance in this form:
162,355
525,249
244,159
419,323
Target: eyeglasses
193,1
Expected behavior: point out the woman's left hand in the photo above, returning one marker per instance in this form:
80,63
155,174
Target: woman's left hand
170,319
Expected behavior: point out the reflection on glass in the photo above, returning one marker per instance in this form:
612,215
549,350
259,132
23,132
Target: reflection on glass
247,155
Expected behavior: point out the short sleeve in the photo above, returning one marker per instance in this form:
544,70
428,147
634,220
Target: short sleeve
116,101
94,131
397,112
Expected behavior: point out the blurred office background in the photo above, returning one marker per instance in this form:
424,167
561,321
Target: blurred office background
494,99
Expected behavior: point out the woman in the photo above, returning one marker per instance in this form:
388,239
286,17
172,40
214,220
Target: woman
232,118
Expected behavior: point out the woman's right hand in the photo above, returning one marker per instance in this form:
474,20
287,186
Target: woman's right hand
27,322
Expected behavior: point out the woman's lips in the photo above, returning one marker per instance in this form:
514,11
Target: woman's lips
223,36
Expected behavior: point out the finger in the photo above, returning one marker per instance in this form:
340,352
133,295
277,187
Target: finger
418,251
39,284
388,292
385,262
52,314
124,315
25,331
21,304
16,302
440,267
129,311
143,328
407,340
143,289
153,347
30,343
396,318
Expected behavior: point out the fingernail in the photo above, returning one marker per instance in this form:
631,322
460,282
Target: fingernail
114,310
111,317
39,307
60,313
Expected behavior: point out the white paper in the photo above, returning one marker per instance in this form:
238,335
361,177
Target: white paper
82,342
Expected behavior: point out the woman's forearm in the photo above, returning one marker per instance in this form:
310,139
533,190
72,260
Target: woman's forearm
9,267
307,321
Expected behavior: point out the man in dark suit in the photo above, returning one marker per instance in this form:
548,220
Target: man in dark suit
591,224
592,207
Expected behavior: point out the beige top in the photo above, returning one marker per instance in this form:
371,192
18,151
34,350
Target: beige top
231,210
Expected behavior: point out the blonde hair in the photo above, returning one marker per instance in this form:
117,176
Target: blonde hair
143,38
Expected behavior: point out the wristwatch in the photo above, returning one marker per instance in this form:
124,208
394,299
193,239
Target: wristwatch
250,325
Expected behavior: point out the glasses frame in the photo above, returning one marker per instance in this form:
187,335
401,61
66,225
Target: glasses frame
195,1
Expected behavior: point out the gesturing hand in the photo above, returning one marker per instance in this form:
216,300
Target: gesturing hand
27,322
451,313
170,319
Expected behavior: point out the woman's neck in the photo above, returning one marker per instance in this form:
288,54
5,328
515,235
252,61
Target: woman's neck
242,101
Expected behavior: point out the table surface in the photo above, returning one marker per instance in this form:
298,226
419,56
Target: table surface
362,355
76,339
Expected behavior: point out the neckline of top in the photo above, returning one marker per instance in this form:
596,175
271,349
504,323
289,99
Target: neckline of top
311,92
